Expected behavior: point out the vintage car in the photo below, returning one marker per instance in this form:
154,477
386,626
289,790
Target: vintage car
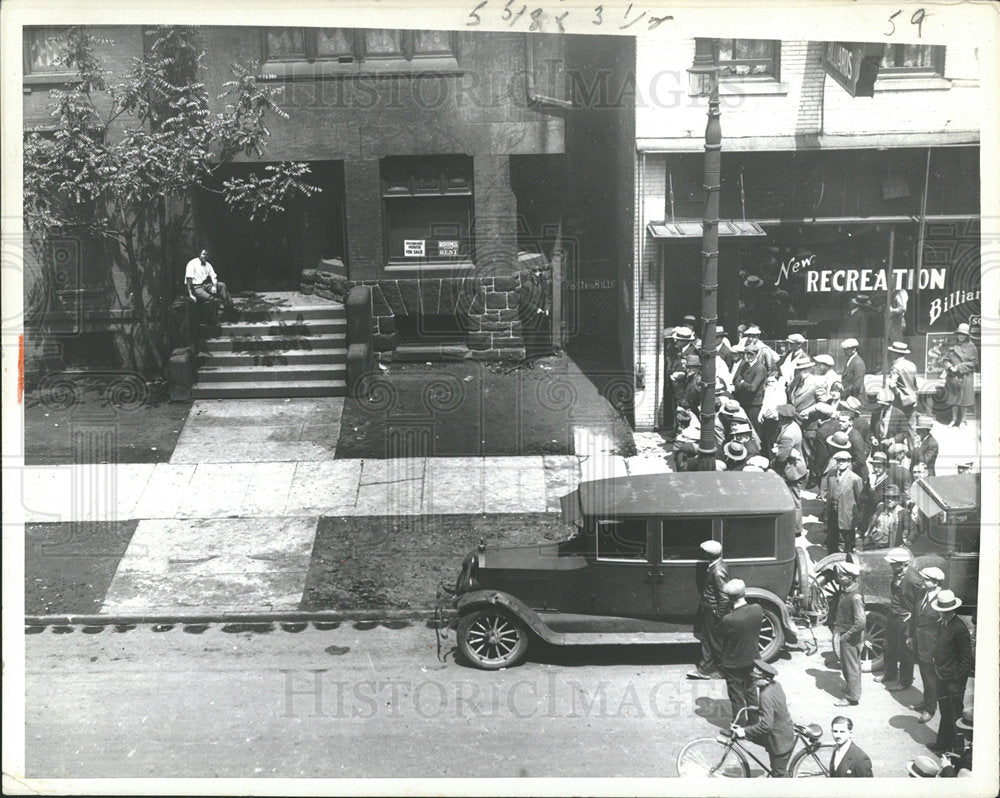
948,509
632,572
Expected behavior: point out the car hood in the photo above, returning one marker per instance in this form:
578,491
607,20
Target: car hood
540,556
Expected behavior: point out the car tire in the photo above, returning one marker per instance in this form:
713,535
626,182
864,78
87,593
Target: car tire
492,639
872,653
772,635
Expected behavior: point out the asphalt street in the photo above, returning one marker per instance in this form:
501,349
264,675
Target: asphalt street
366,700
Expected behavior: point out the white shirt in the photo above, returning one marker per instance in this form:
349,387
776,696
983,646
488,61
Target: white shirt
840,753
198,272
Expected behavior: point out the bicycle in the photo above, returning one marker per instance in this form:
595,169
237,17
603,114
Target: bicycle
725,757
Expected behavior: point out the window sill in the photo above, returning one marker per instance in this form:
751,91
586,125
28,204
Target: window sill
323,70
744,87
886,83
48,79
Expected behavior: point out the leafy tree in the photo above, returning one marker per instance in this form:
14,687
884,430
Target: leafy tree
127,177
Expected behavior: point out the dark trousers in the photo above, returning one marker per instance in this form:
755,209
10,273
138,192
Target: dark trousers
779,764
836,537
928,682
795,488
710,657
850,667
739,687
898,658
950,698
207,301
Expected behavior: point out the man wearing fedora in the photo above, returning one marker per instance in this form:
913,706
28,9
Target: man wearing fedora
903,383
734,455
749,377
922,640
926,450
953,666
962,358
849,631
743,433
853,378
840,493
713,604
905,589
773,729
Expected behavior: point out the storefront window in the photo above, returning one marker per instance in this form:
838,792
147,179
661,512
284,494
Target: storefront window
740,58
910,59
428,209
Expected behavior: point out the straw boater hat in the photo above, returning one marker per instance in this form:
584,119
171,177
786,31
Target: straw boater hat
735,451
880,457
964,723
924,767
850,405
946,601
753,281
850,343
825,359
839,440
795,338
962,329
899,348
730,407
683,334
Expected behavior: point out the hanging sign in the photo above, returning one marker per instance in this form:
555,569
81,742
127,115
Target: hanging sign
854,65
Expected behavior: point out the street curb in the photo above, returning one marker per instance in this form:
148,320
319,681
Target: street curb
287,616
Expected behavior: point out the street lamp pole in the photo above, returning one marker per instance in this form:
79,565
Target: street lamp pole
704,81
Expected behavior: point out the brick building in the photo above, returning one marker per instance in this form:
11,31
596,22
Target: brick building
813,181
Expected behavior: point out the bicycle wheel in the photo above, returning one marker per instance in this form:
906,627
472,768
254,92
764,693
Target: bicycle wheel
811,763
709,758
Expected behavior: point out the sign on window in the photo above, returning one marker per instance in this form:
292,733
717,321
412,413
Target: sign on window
448,248
413,247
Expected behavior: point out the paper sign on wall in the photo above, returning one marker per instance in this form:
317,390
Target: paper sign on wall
413,248
449,248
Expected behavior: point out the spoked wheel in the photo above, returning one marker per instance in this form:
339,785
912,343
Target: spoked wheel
492,639
709,759
811,763
872,651
772,636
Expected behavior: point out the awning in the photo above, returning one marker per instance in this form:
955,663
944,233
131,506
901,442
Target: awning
727,227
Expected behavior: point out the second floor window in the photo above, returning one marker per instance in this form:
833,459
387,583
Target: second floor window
352,45
749,58
912,59
42,48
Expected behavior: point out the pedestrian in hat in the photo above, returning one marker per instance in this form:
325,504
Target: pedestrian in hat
735,456
769,357
905,589
757,463
829,424
847,760
890,523
823,376
962,360
888,422
926,450
685,450
739,635
688,386
713,604
773,729
960,766
849,631
749,377
953,666
858,446
965,467
797,348
923,633
903,384
853,377
787,459
840,493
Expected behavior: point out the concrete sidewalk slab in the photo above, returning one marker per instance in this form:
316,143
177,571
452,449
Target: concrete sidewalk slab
391,487
173,566
267,490
324,488
562,475
166,489
514,484
216,490
453,485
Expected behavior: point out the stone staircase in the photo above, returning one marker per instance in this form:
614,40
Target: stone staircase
282,345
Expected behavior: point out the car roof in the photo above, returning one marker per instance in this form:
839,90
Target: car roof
949,493
689,493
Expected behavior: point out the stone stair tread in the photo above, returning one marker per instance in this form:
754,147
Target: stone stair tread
249,390
292,367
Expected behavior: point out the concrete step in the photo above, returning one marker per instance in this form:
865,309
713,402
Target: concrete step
287,329
263,344
279,373
291,313
274,357
267,390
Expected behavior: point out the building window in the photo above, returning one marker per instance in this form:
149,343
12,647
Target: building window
361,48
42,50
912,59
749,58
428,208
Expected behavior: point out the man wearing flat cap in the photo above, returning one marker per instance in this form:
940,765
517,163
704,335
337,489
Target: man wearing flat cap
905,588
841,496
739,636
953,666
713,604
923,633
749,378
751,337
773,729
796,350
849,631
903,384
853,378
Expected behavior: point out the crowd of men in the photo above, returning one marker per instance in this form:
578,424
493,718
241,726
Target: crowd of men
923,631
794,414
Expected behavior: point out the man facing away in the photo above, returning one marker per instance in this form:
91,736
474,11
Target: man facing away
204,286
739,633
773,729
714,604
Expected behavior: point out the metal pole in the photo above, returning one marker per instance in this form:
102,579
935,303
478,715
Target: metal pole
888,308
710,264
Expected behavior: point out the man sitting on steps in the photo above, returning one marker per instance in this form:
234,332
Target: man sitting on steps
205,288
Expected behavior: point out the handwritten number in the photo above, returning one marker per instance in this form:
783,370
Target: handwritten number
918,20
518,16
536,17
476,18
559,20
599,11
506,13
889,33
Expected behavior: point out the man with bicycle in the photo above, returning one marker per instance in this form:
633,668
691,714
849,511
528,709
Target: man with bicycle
773,729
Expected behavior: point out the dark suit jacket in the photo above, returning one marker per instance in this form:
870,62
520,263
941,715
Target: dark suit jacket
924,629
853,378
864,426
748,382
738,633
897,424
926,452
773,728
850,618
855,764
713,603
953,651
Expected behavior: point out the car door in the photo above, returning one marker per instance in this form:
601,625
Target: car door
619,576
680,566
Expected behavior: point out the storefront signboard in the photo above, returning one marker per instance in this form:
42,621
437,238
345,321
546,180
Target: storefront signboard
413,247
854,65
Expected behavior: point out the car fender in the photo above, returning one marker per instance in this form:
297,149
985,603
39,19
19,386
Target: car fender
481,598
762,596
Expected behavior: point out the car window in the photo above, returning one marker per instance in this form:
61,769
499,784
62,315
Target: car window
621,539
748,536
682,537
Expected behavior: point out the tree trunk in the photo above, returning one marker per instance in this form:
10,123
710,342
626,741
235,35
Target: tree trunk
139,303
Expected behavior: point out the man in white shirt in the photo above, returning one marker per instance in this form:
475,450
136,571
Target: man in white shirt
203,286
